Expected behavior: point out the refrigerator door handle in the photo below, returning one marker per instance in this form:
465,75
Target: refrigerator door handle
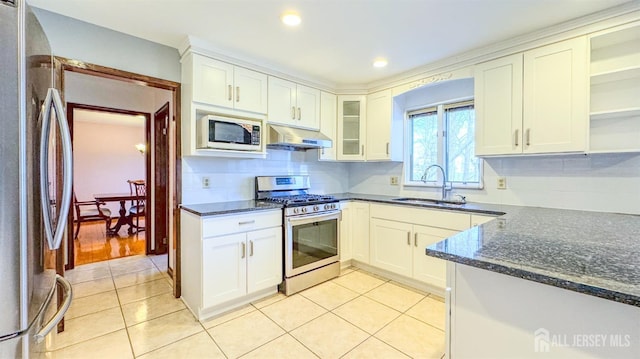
53,322
54,236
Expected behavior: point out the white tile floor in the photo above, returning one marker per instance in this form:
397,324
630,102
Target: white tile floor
124,308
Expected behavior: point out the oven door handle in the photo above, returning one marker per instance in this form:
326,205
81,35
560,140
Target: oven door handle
315,217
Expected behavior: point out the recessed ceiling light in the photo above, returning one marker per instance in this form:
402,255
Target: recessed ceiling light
379,62
291,19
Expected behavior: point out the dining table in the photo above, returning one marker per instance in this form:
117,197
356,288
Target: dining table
123,218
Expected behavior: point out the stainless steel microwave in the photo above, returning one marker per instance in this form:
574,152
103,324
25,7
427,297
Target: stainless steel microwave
228,133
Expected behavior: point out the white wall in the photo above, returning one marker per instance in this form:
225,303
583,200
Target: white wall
79,40
105,157
233,179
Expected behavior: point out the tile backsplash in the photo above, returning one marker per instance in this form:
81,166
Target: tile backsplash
599,182
234,179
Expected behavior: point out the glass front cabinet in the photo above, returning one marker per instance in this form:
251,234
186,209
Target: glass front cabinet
351,128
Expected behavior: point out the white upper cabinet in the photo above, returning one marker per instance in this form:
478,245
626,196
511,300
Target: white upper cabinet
218,83
384,133
328,122
498,104
294,105
556,94
534,102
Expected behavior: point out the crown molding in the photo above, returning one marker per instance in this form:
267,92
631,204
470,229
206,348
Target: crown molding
196,45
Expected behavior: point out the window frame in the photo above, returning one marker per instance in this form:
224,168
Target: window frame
408,146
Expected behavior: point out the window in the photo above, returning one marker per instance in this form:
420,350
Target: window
443,135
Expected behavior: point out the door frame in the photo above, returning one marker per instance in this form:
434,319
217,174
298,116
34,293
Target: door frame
62,64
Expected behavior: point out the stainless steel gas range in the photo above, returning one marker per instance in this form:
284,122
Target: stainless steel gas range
311,231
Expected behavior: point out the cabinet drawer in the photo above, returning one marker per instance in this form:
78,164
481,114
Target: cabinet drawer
426,217
234,223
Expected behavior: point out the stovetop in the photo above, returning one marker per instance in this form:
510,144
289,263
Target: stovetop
300,199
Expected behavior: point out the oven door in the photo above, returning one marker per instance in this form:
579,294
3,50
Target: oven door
311,242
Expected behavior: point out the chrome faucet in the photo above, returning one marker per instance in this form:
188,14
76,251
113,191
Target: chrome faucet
445,190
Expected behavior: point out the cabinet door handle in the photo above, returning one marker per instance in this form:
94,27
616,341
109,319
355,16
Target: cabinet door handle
250,248
415,239
293,112
515,137
363,150
387,147
247,222
230,90
323,150
299,114
528,135
409,238
237,93
244,250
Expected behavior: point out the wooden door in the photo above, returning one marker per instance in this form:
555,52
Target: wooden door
160,213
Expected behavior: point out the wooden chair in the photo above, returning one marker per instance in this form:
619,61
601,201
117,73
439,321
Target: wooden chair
137,209
87,211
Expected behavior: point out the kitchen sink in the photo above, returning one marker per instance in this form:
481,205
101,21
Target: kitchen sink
428,201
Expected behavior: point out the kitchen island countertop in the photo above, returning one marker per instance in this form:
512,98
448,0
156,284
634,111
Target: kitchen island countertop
594,253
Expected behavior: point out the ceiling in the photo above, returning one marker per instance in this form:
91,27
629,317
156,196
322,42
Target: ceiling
338,39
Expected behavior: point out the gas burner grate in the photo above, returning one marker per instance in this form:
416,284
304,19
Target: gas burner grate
299,199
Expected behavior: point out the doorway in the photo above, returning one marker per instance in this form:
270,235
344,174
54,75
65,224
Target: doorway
109,149
169,155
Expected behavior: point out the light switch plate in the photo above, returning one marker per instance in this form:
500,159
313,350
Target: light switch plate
394,180
206,183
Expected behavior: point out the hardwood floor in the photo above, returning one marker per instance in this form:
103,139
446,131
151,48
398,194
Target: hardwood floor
93,245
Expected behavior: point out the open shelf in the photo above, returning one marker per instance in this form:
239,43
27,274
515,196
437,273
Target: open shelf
614,125
616,75
620,113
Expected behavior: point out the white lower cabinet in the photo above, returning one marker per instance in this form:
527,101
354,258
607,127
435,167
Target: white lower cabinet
229,260
400,235
360,231
391,247
224,269
429,269
354,232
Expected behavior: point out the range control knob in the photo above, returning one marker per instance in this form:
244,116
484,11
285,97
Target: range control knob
333,206
304,209
327,206
316,208
296,210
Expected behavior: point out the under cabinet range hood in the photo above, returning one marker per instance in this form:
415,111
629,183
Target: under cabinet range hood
296,139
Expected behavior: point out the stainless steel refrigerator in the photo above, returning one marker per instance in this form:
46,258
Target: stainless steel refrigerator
35,185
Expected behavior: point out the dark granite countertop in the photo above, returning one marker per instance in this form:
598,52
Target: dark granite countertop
588,252
212,209
479,208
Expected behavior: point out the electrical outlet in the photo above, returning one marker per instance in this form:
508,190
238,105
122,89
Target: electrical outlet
206,183
394,180
502,183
